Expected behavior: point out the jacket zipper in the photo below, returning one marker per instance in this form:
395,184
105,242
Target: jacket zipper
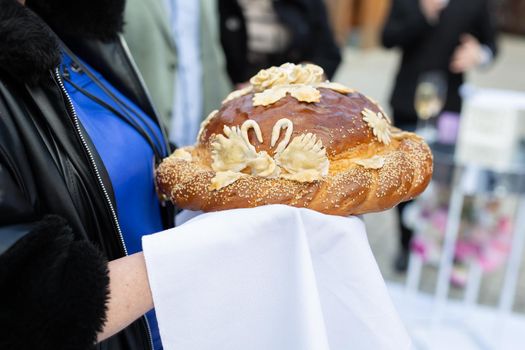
76,123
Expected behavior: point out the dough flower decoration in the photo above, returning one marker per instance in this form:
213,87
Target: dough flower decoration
304,93
336,87
238,93
267,78
374,162
300,81
308,74
287,74
379,124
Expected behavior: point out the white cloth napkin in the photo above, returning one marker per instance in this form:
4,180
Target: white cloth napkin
272,277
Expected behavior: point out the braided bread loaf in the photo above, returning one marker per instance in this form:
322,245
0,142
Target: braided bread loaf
290,138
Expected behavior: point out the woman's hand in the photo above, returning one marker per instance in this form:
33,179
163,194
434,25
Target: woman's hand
129,293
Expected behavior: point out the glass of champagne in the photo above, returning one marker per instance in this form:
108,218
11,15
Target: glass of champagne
431,92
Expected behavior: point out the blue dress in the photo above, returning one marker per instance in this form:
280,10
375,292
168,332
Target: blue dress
126,154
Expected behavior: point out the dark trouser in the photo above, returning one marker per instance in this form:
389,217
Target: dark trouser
408,123
405,233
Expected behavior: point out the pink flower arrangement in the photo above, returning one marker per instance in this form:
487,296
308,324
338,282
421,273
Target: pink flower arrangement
484,237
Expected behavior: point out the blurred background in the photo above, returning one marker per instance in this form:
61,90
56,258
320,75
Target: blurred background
451,70
469,294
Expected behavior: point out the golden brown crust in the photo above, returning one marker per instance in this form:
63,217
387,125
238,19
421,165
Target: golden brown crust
348,189
338,155
336,119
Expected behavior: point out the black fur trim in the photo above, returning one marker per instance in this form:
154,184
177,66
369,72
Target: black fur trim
54,290
90,19
28,48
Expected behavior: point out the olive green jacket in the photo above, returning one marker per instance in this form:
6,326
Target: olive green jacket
148,34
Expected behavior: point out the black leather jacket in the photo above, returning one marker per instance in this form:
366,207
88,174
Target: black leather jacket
48,165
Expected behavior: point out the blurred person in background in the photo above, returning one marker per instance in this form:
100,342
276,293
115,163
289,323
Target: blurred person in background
79,140
452,37
175,44
257,34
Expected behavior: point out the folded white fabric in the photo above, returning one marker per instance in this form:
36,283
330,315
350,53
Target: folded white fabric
272,277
